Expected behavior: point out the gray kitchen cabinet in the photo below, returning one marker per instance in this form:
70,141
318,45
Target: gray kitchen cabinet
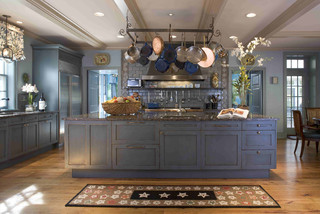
135,132
44,133
135,156
221,149
259,159
76,149
259,139
16,140
3,143
31,136
180,149
54,129
99,135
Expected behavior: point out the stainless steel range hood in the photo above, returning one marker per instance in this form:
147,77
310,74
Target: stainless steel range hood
181,75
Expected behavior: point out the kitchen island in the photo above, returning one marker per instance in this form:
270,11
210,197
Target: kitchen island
170,145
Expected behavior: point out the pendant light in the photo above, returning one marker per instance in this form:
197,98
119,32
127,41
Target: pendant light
7,52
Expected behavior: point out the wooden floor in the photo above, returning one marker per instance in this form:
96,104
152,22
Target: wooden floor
43,185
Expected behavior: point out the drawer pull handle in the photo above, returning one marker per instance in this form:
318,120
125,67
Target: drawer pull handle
136,147
258,125
258,152
258,132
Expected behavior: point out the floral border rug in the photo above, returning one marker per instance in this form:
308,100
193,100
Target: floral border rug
173,196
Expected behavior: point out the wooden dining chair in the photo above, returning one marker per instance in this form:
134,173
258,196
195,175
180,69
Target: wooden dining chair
310,114
303,135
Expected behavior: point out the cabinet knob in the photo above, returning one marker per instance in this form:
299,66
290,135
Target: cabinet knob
258,125
258,152
258,132
161,133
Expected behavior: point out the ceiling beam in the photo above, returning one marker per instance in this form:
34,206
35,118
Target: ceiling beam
297,34
211,8
296,10
51,13
136,13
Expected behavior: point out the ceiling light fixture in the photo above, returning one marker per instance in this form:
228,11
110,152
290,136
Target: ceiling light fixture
173,36
99,14
19,22
120,36
251,15
170,14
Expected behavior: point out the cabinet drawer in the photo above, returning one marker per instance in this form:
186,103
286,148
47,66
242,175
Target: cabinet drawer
3,122
16,120
259,159
135,157
259,140
259,125
221,125
135,132
45,116
180,125
31,118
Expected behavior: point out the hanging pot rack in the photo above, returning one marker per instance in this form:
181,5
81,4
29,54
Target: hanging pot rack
132,32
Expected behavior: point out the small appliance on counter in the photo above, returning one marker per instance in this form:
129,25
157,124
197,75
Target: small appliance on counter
134,83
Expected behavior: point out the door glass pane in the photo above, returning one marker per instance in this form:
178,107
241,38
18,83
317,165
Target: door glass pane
289,83
300,80
288,63
289,125
300,63
300,91
294,63
294,97
289,102
294,81
300,102
289,91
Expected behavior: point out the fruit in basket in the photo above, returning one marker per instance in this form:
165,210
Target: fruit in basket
128,99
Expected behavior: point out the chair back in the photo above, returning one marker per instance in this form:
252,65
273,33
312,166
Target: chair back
311,113
297,119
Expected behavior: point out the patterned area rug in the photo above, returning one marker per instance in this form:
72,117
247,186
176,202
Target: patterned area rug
100,195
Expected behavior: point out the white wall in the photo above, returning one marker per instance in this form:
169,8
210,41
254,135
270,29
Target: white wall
274,92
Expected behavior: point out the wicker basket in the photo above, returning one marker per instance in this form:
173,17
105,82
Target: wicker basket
121,108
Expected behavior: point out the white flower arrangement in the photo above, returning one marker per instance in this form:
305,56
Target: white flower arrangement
32,92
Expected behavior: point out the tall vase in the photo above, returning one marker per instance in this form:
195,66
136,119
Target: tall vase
243,99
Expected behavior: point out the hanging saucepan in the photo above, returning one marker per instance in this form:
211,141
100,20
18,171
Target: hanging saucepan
195,54
153,57
179,64
146,50
133,51
143,60
210,56
169,54
182,52
157,45
174,67
161,65
191,68
129,58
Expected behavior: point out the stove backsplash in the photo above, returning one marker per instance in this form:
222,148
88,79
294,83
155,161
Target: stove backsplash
193,97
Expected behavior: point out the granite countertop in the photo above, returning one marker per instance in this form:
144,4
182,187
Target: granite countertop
22,113
164,116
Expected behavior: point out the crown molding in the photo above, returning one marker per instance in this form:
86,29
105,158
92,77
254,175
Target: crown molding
136,13
299,34
296,10
48,11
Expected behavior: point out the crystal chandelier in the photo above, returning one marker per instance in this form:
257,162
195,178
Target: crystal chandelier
11,42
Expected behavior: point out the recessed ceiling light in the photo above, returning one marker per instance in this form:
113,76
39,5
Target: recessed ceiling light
99,14
173,36
170,14
120,36
230,37
251,15
19,22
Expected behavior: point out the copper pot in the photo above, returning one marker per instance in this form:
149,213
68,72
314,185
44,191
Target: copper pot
157,45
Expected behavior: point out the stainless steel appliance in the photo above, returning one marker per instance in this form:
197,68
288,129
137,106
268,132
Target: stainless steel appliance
134,83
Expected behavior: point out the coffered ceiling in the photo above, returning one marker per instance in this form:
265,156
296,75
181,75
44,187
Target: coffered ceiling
289,24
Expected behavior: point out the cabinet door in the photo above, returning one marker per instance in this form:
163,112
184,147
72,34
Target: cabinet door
31,136
76,148
135,156
259,159
221,149
44,133
180,150
100,145
3,143
54,129
15,143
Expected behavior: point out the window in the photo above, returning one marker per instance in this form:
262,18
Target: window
295,63
3,85
294,97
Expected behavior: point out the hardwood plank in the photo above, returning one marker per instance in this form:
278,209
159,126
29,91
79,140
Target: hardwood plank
47,186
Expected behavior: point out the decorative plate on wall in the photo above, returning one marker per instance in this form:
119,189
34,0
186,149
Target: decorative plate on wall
102,59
